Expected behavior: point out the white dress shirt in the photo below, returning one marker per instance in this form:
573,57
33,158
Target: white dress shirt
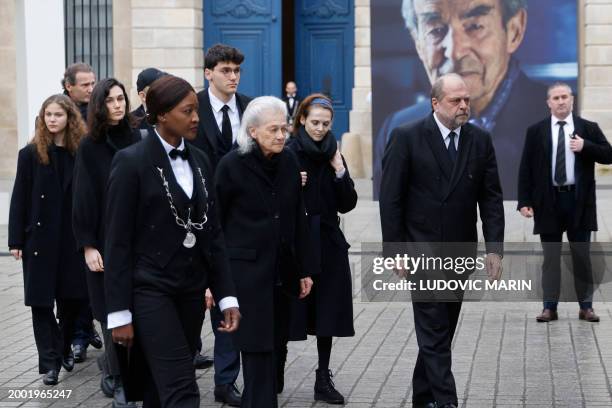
184,176
234,116
291,100
446,132
570,158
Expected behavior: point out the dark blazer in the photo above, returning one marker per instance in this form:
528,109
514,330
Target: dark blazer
256,214
525,103
142,234
140,116
91,171
40,225
535,178
291,111
424,199
208,130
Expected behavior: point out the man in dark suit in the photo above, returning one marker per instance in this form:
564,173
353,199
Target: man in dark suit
292,102
436,172
78,83
145,78
489,34
220,110
557,187
221,106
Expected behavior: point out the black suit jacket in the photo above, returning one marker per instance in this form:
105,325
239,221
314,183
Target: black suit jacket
141,227
535,185
208,130
424,199
291,111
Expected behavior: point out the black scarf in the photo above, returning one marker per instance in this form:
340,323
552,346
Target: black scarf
268,164
119,136
317,151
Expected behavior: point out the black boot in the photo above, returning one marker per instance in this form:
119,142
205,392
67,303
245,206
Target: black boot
325,390
281,359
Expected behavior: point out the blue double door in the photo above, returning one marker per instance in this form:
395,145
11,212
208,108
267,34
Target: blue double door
308,41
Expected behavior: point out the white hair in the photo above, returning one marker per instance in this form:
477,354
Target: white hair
252,116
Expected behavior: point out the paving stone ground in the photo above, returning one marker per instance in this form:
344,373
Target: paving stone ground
501,356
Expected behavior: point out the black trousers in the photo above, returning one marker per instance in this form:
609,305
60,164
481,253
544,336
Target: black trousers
435,324
167,328
579,239
259,368
109,358
53,340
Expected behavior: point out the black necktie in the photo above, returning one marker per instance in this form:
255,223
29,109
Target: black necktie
226,128
452,150
560,174
183,154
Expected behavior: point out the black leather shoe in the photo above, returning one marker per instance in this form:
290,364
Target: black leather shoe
228,394
119,400
80,353
50,378
68,362
201,362
424,404
95,339
325,389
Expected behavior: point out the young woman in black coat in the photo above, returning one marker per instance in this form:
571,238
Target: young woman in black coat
40,233
265,227
328,190
164,247
109,132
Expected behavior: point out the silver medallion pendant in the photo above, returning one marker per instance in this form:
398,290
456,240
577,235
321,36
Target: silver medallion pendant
190,240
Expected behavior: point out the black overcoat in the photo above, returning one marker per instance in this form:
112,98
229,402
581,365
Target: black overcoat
330,307
535,185
424,198
40,225
91,173
256,214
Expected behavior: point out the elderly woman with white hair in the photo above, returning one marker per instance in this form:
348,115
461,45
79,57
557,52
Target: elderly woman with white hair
262,214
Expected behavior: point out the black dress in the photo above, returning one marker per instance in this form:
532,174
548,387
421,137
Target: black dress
328,311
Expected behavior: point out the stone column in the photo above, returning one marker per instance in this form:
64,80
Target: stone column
8,91
357,144
168,35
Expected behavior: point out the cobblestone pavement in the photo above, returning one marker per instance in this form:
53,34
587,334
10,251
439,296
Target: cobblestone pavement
501,356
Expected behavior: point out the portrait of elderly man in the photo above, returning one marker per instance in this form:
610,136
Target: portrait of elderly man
476,39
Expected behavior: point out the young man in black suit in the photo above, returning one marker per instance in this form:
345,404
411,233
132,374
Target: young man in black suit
220,110
557,187
436,172
221,106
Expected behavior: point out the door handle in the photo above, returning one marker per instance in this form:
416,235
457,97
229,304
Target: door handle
274,19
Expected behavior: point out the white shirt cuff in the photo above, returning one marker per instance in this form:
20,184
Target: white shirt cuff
340,174
227,302
118,319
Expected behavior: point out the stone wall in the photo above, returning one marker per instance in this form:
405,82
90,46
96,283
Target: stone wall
596,64
8,90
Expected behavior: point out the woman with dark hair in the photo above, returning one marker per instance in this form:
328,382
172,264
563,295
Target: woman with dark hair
40,232
164,246
265,227
109,132
328,190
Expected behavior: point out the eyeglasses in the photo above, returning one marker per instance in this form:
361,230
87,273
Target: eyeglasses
228,71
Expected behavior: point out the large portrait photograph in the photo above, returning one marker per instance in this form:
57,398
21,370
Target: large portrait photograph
507,51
